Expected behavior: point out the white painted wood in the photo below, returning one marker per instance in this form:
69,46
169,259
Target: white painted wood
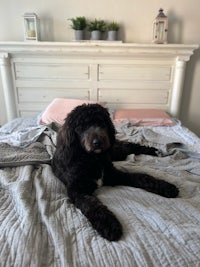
140,97
177,87
51,71
142,72
123,75
7,83
48,94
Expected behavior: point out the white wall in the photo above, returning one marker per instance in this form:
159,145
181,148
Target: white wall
136,18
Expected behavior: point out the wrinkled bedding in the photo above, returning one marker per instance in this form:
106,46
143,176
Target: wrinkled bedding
39,227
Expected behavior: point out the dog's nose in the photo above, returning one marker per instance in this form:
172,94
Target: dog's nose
97,143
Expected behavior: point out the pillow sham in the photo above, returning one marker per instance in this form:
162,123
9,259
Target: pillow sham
58,109
143,117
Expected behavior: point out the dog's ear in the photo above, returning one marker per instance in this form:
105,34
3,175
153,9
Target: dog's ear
110,126
112,132
63,154
67,136
66,140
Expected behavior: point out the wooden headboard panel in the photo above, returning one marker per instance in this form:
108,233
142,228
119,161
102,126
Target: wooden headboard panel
122,74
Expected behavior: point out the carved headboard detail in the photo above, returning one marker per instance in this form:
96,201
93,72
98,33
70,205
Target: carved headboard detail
122,74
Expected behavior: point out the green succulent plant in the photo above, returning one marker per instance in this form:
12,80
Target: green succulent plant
113,26
96,25
78,23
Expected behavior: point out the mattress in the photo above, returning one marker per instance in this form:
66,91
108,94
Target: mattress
40,227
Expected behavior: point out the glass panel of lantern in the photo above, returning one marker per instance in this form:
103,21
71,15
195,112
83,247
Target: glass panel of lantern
31,31
160,28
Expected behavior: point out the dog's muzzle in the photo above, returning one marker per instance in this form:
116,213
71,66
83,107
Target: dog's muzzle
98,144
96,140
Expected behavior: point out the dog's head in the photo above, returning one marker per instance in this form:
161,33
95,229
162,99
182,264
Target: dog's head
90,127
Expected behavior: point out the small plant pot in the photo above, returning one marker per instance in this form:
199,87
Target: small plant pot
95,35
79,35
112,35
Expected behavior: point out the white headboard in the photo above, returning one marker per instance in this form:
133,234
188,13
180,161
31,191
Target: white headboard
122,74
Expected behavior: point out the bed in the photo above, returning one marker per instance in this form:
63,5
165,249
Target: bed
38,225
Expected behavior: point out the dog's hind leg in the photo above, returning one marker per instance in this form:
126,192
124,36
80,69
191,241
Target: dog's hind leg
102,220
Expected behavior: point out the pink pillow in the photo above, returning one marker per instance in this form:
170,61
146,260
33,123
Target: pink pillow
58,109
143,117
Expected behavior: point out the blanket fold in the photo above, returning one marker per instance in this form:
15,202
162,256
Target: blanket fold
35,153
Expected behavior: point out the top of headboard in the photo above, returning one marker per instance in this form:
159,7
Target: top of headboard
123,74
183,51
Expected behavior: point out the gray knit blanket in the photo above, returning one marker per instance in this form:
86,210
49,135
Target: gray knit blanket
40,227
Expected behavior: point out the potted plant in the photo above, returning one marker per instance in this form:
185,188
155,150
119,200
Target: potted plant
78,24
113,28
96,27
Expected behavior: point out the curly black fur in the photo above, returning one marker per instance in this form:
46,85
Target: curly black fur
86,146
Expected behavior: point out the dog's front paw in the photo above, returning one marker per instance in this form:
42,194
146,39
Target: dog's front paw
167,190
107,225
152,151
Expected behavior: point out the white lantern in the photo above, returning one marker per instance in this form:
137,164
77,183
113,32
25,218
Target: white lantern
31,25
160,28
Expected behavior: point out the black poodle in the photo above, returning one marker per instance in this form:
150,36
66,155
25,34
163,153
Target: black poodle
86,147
